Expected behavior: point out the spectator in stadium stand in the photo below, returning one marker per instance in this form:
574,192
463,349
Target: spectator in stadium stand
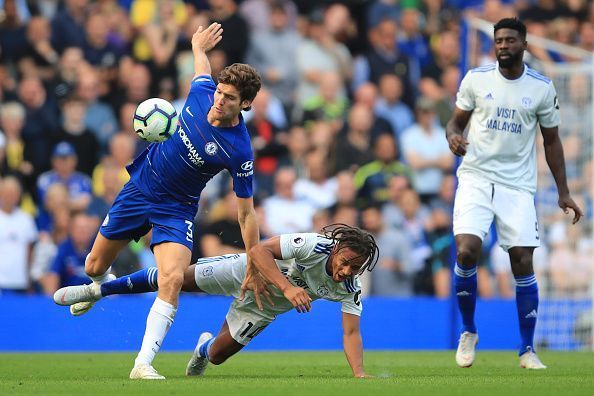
329,104
267,140
41,122
126,115
319,52
161,35
371,179
223,235
353,149
68,25
65,80
12,33
74,131
136,82
17,235
63,171
98,50
110,179
68,266
415,217
39,53
318,188
394,276
121,154
272,52
297,146
237,35
56,196
390,105
412,42
16,159
446,52
426,151
383,58
391,211
367,95
99,117
283,212
257,13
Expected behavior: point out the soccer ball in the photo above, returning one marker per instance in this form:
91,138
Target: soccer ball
155,120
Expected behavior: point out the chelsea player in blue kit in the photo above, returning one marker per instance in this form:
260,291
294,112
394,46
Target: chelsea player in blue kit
165,185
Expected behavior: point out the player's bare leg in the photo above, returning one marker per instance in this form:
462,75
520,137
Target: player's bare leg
526,303
216,350
172,261
97,263
468,248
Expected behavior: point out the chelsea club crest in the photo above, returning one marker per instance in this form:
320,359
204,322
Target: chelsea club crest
211,148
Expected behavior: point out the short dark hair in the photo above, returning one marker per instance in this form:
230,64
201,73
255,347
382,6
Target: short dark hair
511,23
244,78
359,241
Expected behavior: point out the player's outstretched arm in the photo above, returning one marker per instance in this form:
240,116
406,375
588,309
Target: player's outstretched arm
455,131
248,223
263,256
202,41
556,162
353,343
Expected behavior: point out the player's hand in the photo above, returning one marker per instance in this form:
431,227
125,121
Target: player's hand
299,298
457,144
257,284
566,203
206,39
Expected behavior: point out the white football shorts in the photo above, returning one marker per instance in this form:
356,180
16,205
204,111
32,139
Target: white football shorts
478,202
223,275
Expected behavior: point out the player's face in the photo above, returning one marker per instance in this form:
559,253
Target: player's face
345,264
227,103
509,47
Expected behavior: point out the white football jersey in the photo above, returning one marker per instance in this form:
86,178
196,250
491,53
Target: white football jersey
305,257
503,125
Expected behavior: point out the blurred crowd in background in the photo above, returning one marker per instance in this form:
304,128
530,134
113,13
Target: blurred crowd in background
348,128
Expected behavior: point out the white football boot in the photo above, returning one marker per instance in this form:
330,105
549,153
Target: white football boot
197,364
529,360
466,349
144,371
80,298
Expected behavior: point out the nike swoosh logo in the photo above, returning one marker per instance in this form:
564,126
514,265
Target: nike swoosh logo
189,112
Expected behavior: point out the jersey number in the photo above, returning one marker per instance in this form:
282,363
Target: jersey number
358,298
254,333
189,233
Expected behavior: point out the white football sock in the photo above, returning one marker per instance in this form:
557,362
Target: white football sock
158,322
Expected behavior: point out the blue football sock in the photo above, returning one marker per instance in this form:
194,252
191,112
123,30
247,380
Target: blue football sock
527,304
205,348
465,284
142,281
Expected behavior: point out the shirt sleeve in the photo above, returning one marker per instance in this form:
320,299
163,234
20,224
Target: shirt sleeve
548,111
352,304
465,96
298,246
242,173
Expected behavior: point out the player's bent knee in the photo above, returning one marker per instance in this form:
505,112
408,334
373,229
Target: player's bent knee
466,256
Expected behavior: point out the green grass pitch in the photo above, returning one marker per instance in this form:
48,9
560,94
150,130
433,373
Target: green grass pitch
299,373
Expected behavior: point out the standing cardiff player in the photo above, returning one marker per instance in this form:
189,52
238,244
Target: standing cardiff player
165,185
302,268
504,102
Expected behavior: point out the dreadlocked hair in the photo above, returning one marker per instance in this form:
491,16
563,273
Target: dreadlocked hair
359,241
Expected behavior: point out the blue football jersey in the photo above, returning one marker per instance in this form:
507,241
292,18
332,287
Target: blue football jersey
181,166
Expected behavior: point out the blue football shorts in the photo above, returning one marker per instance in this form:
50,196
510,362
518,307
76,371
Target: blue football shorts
133,214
